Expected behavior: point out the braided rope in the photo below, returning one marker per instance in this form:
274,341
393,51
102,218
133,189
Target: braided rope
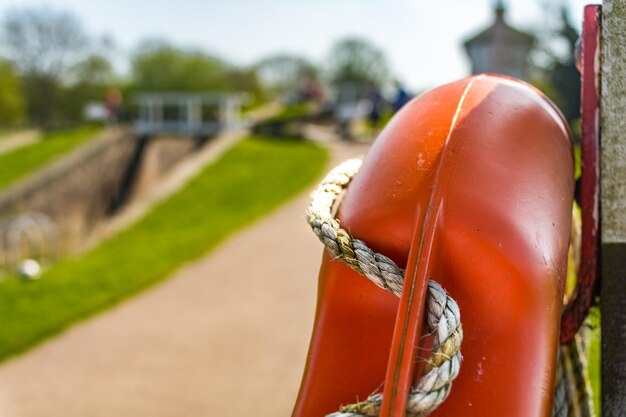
441,369
443,314
378,268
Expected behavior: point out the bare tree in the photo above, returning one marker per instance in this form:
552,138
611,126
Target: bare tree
42,43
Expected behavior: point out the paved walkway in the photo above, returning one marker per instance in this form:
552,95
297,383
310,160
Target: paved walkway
222,337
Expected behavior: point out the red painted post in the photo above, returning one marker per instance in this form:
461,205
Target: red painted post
578,306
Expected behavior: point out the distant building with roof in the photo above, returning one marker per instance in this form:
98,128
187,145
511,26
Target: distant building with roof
500,48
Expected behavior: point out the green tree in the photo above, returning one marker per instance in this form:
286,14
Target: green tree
161,67
356,60
247,80
95,70
11,102
89,80
164,67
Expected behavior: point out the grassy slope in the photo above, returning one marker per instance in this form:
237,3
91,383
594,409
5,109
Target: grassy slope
247,182
21,162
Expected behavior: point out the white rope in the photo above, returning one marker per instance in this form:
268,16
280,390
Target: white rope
443,316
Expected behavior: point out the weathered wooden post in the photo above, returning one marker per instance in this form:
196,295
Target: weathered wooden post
613,208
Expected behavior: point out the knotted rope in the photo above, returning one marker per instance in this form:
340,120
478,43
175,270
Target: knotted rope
443,316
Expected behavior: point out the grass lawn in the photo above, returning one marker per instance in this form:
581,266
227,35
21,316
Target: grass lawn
23,161
247,182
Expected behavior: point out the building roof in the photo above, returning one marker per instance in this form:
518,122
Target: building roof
500,31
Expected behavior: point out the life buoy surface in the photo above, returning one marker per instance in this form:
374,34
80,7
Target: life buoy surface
495,158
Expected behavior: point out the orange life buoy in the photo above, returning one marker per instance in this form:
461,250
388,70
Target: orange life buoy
471,184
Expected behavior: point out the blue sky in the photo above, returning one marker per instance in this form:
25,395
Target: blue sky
422,39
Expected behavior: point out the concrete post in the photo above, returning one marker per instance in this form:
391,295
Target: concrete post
613,208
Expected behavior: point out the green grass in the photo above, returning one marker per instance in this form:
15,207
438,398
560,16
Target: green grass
593,360
246,183
577,161
23,161
4,133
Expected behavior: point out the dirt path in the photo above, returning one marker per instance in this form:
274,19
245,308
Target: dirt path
222,337
18,140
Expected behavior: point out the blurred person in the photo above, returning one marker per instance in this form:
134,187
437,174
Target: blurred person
376,107
113,101
402,96
314,91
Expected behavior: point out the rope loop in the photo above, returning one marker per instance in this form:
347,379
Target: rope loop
443,315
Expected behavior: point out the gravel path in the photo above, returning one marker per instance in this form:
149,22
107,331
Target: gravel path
221,337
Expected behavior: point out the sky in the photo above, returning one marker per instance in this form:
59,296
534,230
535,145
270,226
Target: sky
422,39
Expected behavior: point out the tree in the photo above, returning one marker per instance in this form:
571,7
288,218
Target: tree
283,72
564,74
11,102
554,61
158,66
355,60
88,80
43,43
246,79
95,70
